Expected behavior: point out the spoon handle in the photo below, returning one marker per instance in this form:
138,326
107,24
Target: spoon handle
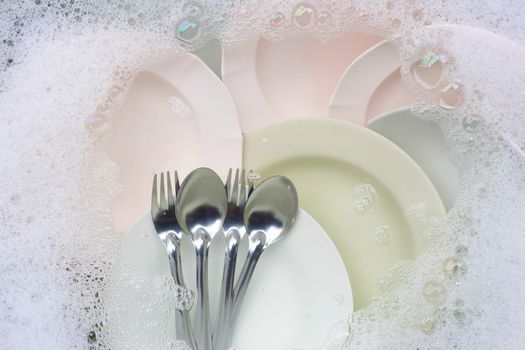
201,330
220,339
256,247
182,319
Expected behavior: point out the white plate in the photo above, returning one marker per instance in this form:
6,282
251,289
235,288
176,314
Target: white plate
274,81
177,115
299,289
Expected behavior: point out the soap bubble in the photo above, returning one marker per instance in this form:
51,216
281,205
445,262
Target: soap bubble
193,9
303,15
277,19
427,71
472,122
189,30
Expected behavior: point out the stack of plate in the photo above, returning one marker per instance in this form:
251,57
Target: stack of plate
335,119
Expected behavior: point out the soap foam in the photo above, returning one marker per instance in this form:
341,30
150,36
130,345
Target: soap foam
65,61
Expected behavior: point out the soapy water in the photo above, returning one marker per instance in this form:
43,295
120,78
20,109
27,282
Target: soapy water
65,67
381,235
365,197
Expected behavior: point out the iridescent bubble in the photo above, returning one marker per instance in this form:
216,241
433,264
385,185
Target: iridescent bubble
453,266
428,69
189,30
472,122
430,59
303,15
193,9
427,326
450,96
95,122
277,19
323,19
434,292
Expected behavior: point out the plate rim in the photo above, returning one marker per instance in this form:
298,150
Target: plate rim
264,148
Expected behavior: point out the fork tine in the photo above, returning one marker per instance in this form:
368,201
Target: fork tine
228,184
171,198
154,197
242,194
235,192
250,185
177,183
163,203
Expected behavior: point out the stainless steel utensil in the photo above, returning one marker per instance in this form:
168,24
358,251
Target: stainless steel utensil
170,232
269,213
201,209
234,231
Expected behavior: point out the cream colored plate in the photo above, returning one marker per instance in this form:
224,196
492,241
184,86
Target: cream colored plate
293,298
329,161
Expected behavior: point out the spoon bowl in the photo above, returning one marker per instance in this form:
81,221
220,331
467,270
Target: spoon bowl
201,205
271,209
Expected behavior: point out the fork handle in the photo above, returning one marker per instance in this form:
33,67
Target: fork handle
220,339
182,317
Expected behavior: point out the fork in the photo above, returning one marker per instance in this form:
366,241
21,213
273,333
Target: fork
234,230
170,232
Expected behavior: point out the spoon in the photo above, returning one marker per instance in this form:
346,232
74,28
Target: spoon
268,216
200,210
